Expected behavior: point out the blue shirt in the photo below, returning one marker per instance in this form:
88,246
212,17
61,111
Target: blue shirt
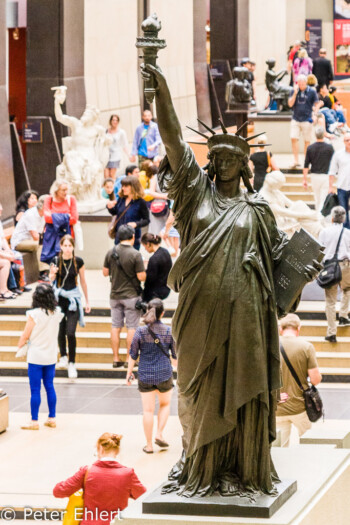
118,185
154,366
143,144
304,102
140,145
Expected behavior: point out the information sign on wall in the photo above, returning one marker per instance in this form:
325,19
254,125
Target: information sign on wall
313,37
341,38
32,132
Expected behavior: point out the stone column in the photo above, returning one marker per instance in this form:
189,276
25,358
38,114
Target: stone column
200,61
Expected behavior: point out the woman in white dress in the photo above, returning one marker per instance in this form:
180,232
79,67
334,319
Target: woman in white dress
119,143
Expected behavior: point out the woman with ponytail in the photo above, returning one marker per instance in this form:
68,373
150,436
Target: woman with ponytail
158,268
155,346
107,484
64,271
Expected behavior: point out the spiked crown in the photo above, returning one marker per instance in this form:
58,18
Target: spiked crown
234,140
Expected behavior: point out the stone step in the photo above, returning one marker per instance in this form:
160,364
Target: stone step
305,196
92,324
333,359
295,187
310,328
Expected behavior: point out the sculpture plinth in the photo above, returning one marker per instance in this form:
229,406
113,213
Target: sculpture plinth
261,506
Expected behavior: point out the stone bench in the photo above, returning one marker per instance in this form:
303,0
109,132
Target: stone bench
4,413
330,432
30,262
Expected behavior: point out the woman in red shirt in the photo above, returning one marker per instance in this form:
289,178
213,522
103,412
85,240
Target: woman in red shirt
107,484
60,202
60,213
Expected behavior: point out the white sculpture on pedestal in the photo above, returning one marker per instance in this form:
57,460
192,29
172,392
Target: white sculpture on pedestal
290,215
86,153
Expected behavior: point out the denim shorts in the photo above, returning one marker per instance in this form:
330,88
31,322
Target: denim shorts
162,387
114,164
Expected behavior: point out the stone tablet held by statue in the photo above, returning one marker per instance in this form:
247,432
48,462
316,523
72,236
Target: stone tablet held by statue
289,275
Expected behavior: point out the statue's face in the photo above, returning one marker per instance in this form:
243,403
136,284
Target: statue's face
88,117
227,165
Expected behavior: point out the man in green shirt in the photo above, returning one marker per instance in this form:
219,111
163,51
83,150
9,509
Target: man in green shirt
124,265
302,356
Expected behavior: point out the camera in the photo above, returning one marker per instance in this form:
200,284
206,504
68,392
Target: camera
141,305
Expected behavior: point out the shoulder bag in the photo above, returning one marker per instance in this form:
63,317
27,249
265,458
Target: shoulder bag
159,207
137,286
112,228
312,398
75,506
158,343
331,273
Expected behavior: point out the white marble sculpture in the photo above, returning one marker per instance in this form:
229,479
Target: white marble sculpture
86,153
290,215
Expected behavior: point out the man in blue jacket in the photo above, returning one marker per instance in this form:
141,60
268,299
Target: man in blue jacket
146,139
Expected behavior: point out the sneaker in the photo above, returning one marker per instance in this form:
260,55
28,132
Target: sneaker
344,321
72,371
63,362
331,338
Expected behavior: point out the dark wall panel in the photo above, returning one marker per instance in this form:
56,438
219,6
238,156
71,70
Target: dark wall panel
7,186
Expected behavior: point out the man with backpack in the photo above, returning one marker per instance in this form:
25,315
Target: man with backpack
124,266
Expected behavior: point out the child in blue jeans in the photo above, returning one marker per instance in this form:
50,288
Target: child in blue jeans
39,343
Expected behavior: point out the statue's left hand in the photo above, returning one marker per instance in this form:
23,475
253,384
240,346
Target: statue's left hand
312,270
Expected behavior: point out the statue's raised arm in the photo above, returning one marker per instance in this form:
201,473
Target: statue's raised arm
168,123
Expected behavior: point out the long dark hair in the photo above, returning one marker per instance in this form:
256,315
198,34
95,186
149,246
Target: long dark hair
60,260
22,201
44,298
155,308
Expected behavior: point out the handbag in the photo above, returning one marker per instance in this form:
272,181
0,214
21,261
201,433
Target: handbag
331,273
159,207
330,202
75,506
157,342
312,398
112,227
79,238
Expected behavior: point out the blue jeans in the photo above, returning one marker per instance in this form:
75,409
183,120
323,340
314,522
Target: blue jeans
343,197
11,281
36,373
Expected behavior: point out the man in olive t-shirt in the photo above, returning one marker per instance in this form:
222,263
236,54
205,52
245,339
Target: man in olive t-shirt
302,356
124,265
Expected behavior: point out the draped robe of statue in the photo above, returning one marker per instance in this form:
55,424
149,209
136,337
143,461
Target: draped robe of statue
226,332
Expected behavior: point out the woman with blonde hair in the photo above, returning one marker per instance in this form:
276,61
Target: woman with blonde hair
130,208
60,214
107,484
302,65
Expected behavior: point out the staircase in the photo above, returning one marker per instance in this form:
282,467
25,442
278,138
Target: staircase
94,354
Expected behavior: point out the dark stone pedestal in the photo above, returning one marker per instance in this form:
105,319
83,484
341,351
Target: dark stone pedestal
237,115
233,506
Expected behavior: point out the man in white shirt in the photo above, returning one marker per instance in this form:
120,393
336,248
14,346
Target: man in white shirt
340,169
329,238
26,236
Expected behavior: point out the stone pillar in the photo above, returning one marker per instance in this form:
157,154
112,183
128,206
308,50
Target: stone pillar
7,192
200,61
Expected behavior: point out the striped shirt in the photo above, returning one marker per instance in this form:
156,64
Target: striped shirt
154,366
